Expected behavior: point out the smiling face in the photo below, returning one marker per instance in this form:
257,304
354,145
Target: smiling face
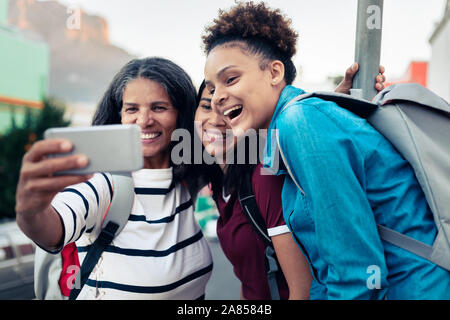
211,126
146,103
244,93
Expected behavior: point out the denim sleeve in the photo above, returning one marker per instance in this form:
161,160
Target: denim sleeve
324,159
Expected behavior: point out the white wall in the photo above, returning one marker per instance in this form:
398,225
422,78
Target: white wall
439,67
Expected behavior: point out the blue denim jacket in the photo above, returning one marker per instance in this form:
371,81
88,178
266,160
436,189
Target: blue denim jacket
351,179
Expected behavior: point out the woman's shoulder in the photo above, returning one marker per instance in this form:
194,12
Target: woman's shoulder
313,119
265,183
267,189
314,110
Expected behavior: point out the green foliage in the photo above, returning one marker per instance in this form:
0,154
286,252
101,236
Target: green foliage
16,141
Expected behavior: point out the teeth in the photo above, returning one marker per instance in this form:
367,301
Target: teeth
149,135
213,134
226,113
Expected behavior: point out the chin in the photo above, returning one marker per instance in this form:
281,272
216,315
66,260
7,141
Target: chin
240,130
211,149
151,153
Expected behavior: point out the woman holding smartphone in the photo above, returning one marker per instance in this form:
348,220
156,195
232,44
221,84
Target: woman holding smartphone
161,252
347,176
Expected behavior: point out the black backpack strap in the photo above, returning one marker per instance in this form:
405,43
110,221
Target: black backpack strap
251,211
93,255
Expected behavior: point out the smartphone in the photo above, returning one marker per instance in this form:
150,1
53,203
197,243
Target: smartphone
109,148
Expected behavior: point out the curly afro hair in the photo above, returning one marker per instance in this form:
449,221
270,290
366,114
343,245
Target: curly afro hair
257,29
248,20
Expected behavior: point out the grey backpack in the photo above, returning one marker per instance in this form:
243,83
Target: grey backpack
417,123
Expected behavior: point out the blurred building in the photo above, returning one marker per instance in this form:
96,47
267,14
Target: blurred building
417,72
24,70
439,67
434,74
82,59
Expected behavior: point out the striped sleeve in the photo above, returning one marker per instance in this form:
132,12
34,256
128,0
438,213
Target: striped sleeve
82,206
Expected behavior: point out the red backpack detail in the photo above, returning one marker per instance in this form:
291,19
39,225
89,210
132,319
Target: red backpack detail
69,255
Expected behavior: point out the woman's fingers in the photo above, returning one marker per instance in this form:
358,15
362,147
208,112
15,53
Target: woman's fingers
37,187
36,164
47,167
37,184
43,148
381,78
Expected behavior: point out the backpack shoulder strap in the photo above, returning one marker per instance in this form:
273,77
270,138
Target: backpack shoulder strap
251,211
122,201
250,207
116,219
412,92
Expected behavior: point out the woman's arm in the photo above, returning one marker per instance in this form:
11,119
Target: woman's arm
294,266
37,187
267,189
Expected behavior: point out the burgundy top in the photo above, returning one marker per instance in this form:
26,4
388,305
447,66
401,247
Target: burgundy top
240,243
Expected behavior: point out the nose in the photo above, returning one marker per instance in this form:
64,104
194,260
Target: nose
216,118
145,118
219,97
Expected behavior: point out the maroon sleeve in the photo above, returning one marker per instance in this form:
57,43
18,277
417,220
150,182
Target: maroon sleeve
267,189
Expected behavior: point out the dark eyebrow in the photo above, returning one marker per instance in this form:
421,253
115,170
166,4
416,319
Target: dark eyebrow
206,99
220,73
154,103
130,104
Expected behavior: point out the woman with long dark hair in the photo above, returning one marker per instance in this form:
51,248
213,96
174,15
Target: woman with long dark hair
240,243
161,252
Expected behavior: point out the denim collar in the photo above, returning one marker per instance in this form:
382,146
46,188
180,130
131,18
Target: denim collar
272,160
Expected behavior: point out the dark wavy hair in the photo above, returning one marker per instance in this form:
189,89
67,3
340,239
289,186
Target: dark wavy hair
209,173
172,78
235,174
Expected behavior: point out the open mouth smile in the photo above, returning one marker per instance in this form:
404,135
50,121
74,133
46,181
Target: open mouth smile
234,112
214,135
150,137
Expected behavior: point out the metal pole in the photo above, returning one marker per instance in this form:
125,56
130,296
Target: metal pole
367,47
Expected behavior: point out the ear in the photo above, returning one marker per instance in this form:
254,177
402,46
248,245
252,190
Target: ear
276,72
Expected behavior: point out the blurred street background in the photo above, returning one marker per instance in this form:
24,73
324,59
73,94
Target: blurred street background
58,57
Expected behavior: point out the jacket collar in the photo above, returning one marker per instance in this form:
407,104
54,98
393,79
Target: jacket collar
272,160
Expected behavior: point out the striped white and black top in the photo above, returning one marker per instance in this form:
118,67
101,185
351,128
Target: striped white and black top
161,252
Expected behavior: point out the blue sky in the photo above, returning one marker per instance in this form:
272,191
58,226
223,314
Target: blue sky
172,28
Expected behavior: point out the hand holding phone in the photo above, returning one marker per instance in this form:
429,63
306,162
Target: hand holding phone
109,148
66,158
37,184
